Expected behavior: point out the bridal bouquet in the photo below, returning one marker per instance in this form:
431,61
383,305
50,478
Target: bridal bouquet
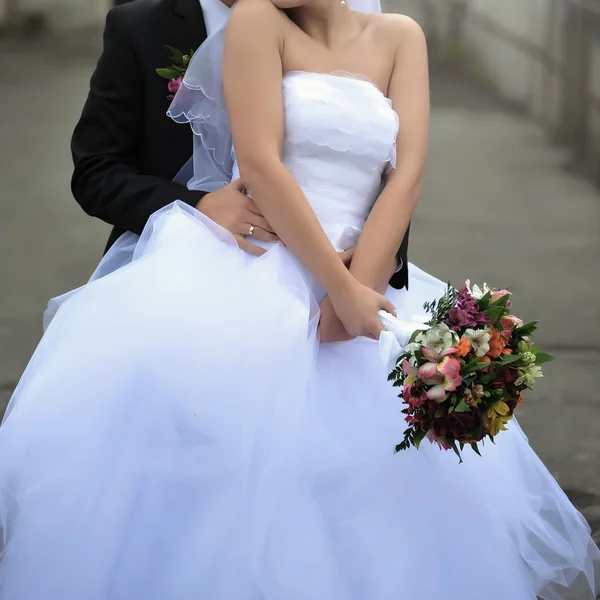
464,376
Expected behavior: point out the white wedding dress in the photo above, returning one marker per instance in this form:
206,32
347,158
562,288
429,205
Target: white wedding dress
180,434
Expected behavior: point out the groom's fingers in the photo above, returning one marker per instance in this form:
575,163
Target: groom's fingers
260,234
251,206
256,217
250,248
258,221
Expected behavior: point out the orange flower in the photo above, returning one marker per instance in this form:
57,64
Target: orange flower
464,347
497,344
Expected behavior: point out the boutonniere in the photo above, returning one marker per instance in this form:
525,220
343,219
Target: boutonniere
175,72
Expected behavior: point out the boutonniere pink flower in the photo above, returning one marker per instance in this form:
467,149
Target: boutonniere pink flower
174,73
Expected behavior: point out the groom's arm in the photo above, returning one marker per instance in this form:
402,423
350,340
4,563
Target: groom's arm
106,181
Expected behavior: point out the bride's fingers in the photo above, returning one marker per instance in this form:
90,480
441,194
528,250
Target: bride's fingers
387,306
375,329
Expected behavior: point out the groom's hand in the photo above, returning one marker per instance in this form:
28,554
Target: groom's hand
230,208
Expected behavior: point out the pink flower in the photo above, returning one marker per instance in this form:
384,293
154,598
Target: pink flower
434,356
409,369
437,393
511,321
449,367
429,371
500,294
174,85
442,372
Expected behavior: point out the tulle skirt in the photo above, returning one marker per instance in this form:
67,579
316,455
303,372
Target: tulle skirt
180,434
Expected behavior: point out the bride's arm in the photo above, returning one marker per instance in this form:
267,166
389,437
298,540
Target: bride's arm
374,256
252,82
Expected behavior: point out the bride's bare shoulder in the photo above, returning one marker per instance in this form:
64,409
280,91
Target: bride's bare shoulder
256,13
400,30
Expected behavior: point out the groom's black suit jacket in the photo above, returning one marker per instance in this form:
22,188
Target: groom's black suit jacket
125,149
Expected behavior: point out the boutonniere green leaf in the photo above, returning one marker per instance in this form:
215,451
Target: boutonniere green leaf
176,70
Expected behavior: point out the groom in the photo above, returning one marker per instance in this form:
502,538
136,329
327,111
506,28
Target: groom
126,151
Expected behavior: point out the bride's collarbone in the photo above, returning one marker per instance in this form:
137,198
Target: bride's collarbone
365,60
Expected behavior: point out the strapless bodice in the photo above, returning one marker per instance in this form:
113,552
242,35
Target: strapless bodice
340,137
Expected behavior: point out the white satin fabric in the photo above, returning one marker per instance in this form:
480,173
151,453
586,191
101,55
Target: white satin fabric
181,434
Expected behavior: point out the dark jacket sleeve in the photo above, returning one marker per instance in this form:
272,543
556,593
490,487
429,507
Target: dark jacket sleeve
106,142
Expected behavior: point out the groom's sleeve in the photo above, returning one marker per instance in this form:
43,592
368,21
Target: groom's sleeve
106,142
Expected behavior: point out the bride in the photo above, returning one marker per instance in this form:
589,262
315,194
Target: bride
218,450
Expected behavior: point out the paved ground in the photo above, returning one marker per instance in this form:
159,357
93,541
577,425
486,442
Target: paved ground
498,206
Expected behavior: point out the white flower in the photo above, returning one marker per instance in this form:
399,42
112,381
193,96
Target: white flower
412,348
439,337
528,357
479,339
477,292
529,375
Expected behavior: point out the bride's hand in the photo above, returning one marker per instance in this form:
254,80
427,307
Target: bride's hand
357,307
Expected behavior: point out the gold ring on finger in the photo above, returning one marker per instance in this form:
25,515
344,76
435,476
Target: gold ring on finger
251,231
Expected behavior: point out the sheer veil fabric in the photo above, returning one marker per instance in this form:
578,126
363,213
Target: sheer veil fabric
199,102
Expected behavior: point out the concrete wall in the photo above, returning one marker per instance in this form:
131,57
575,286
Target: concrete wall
57,15
543,55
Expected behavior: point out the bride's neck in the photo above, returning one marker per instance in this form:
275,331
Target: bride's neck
323,20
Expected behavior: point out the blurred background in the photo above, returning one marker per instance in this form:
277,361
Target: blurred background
512,195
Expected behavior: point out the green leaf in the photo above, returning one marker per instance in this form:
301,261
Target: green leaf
502,301
495,312
543,357
462,406
418,437
507,359
176,54
475,448
526,329
470,367
168,73
438,309
484,301
457,452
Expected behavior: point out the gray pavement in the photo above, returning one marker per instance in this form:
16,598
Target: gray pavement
498,206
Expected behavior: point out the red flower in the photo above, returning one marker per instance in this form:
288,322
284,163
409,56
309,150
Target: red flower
507,375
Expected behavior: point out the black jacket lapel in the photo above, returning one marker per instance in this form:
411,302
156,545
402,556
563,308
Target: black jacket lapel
191,29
